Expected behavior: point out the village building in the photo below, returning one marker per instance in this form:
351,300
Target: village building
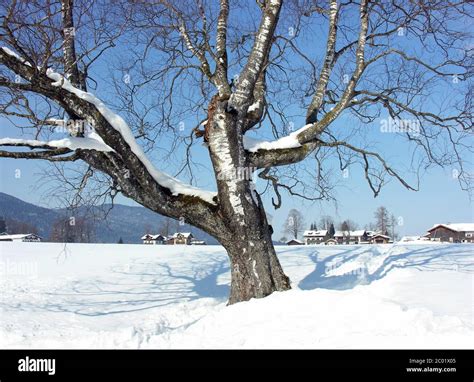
315,237
331,241
341,237
294,242
378,238
452,233
371,233
351,237
22,237
153,239
412,239
181,238
195,241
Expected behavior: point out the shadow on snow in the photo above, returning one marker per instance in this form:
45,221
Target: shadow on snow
138,286
439,257
145,284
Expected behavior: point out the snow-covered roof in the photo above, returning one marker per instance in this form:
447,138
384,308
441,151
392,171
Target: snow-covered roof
195,241
153,237
295,240
17,236
380,235
349,233
374,233
459,227
410,238
185,234
322,232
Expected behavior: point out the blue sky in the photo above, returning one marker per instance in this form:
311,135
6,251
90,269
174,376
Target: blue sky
439,200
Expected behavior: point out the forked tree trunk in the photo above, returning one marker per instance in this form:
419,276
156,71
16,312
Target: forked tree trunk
255,269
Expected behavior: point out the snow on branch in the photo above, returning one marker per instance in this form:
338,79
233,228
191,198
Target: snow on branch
289,142
72,143
13,54
175,186
118,123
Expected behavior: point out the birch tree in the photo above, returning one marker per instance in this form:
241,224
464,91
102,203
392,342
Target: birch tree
382,220
294,224
238,67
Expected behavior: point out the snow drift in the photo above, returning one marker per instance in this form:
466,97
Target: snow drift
138,296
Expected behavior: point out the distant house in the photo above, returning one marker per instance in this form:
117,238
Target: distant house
359,237
315,237
378,238
342,237
371,234
22,237
406,239
153,239
294,242
195,241
452,233
351,237
331,241
181,238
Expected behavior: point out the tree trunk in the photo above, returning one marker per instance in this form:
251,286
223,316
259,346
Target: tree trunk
255,269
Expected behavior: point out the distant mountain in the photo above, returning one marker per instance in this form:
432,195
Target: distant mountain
111,224
17,209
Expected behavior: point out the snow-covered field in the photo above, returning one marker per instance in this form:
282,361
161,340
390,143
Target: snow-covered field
137,296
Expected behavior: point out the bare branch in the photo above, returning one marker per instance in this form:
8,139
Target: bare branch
328,64
68,31
53,155
313,131
365,154
220,76
258,56
281,157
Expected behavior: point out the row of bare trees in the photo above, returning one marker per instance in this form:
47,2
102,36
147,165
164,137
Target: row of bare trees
384,222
